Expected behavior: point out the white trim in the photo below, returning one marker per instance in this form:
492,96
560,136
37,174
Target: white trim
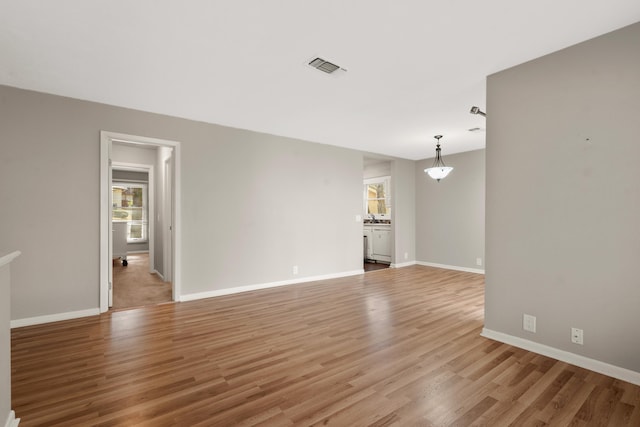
168,216
238,289
12,421
451,267
106,139
157,273
4,260
29,321
623,374
402,264
105,221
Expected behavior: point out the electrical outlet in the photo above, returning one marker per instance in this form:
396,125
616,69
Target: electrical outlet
478,261
358,218
529,323
406,255
577,336
295,269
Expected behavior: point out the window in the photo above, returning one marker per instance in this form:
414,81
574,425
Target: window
377,197
130,204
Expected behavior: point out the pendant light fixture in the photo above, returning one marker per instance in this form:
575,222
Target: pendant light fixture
439,170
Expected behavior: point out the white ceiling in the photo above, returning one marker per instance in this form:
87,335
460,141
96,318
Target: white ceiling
415,67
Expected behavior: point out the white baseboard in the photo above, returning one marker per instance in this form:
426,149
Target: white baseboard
402,264
623,374
29,321
451,267
238,289
159,275
12,421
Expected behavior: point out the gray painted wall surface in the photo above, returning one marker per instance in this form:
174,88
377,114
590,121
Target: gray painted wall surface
258,204
376,168
450,213
404,211
563,198
253,205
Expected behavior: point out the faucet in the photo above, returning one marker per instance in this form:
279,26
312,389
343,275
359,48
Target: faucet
373,218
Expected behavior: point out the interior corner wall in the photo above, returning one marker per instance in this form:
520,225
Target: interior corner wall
253,205
450,222
563,198
404,211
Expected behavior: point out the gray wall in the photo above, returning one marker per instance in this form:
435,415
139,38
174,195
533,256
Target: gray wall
450,213
403,199
375,168
253,205
563,198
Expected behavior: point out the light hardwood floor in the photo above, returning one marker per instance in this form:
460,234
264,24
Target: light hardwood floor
134,286
394,347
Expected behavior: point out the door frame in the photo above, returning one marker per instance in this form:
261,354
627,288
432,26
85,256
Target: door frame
106,140
168,208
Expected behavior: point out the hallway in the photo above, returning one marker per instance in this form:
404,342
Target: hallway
134,286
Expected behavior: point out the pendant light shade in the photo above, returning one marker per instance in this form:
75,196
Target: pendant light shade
439,170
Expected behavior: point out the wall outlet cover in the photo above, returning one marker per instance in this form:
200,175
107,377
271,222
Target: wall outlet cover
577,336
529,323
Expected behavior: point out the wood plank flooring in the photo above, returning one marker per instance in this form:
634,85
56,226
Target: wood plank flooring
372,266
394,347
134,286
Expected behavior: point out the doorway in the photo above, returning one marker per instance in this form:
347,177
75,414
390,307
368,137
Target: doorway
377,209
135,286
135,199
163,218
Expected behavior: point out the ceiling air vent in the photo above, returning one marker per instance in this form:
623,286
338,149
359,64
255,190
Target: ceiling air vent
323,65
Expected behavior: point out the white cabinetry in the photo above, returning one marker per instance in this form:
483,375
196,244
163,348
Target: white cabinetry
367,243
378,239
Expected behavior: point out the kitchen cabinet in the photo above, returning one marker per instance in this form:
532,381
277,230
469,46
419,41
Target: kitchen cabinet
378,239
